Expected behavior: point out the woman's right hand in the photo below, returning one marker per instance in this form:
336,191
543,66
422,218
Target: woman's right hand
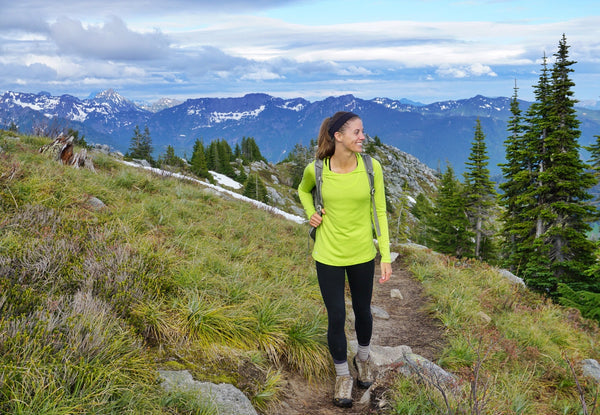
316,219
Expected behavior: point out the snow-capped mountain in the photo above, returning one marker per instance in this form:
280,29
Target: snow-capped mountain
435,133
159,105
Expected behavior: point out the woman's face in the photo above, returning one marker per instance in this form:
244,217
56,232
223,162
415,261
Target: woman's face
352,135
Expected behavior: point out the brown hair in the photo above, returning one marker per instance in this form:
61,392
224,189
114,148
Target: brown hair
326,142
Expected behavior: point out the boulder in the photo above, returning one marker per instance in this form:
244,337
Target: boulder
226,397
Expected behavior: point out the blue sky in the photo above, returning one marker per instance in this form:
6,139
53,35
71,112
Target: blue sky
423,50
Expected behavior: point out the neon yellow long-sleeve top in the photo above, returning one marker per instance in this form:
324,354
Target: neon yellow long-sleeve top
345,236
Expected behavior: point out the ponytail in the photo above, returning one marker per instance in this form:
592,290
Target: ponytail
329,126
325,144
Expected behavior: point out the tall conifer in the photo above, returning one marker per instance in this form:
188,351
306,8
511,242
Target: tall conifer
517,178
479,190
198,160
566,213
557,249
450,233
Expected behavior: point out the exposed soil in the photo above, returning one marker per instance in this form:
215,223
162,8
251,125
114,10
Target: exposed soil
409,324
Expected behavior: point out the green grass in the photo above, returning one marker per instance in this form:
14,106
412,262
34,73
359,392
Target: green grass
168,276
521,357
94,302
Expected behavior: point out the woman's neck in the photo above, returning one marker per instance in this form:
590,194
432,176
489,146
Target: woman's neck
343,162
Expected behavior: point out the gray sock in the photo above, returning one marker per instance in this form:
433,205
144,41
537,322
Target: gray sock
363,352
342,369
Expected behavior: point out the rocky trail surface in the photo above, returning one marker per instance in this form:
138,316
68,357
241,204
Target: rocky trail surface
409,324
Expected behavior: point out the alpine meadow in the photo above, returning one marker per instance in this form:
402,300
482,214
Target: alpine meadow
118,268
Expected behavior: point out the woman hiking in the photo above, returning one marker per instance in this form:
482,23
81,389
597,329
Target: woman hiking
344,245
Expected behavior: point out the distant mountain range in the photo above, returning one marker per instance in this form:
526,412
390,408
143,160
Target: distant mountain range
435,133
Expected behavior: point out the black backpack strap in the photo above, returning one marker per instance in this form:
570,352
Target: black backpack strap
317,195
369,167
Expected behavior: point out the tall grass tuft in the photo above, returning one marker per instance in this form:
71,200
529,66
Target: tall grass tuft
94,301
306,350
525,338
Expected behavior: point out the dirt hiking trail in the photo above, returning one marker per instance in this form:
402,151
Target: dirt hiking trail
409,324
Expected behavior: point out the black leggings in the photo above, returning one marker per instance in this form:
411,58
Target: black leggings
332,281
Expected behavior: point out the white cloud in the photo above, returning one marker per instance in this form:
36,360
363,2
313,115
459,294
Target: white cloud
112,40
210,48
476,69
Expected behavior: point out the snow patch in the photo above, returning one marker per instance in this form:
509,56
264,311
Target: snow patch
220,189
218,117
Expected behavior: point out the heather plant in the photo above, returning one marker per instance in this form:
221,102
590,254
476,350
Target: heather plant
512,347
95,300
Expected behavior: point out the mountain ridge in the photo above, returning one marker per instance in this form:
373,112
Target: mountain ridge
435,133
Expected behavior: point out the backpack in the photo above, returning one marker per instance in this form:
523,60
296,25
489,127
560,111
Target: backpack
318,197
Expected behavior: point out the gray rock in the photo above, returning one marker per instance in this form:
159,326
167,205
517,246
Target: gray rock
96,203
379,312
404,361
396,293
143,163
511,277
383,355
484,317
228,399
591,368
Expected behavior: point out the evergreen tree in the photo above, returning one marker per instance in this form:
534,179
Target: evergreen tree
237,152
170,158
423,211
586,302
212,157
594,150
141,145
219,157
450,233
242,177
250,151
517,179
299,157
255,188
198,161
403,209
566,213
225,156
525,160
479,189
553,208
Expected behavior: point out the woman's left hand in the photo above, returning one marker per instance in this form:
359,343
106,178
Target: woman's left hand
386,272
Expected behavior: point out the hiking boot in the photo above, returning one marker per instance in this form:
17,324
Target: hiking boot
343,391
365,372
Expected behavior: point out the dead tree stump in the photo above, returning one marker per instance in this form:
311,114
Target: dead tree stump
61,150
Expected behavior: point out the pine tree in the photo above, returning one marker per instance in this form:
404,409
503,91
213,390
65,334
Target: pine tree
250,151
479,190
299,157
403,208
525,161
450,233
517,179
594,150
170,159
566,182
555,246
141,145
225,156
423,210
255,188
198,161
